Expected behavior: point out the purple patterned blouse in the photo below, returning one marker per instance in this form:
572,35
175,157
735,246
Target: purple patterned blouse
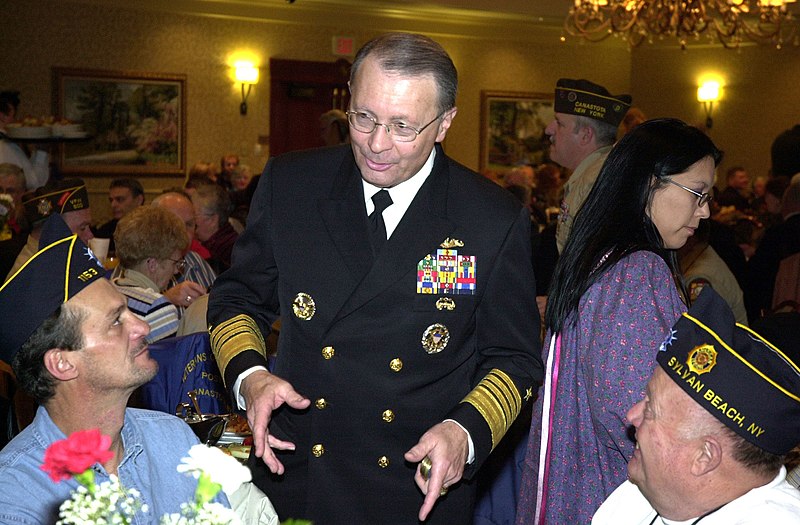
597,372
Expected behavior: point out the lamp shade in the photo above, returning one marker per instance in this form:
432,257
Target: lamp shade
246,73
708,91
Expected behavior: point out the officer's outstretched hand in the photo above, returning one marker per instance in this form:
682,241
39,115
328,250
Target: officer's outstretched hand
442,453
265,392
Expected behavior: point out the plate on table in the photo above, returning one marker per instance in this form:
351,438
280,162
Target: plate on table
240,452
239,438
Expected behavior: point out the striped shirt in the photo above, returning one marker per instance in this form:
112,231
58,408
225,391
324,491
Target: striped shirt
148,305
197,271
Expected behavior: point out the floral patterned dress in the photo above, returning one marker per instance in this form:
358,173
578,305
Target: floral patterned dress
597,368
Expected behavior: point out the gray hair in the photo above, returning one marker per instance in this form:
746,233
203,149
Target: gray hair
605,133
413,55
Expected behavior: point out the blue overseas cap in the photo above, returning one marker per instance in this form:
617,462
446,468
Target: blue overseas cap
742,379
61,268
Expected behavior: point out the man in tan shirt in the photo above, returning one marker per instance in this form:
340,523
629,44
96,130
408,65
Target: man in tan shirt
581,135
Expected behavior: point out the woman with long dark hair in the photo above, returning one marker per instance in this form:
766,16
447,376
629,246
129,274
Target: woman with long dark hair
615,294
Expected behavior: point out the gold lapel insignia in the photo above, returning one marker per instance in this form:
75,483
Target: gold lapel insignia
304,306
452,243
445,303
435,338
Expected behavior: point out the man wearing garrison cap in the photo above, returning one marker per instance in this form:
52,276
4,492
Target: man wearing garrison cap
718,417
78,350
67,198
581,135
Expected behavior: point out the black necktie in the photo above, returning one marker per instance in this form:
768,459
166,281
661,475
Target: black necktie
382,200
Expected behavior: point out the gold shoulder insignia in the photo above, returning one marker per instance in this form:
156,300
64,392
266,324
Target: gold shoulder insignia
452,243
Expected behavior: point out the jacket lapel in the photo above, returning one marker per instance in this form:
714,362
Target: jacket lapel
344,215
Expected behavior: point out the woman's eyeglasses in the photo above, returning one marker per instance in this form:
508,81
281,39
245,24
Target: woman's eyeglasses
180,264
702,198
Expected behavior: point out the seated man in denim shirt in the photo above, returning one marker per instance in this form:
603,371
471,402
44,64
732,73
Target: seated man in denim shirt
80,352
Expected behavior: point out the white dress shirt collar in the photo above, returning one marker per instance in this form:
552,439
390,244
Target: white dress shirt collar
401,195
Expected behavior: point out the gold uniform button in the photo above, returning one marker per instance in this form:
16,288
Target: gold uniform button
328,352
388,416
383,462
321,403
396,364
318,450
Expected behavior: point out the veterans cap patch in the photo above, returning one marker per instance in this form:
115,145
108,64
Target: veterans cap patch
587,99
60,197
61,268
742,379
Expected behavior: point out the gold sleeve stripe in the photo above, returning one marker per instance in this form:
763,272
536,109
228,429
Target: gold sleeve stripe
233,337
498,401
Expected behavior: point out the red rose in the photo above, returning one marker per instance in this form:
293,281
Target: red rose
78,452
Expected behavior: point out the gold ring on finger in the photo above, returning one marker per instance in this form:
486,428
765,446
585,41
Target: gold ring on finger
425,468
444,490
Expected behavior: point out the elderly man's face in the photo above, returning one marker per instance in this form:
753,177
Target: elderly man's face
565,142
390,98
207,223
666,441
114,355
13,186
80,222
182,207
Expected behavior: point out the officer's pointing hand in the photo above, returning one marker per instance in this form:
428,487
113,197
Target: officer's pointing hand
446,448
263,393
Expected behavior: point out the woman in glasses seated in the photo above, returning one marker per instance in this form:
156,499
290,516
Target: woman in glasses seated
615,294
150,245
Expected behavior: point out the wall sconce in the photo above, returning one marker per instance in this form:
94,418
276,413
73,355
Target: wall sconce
246,73
707,93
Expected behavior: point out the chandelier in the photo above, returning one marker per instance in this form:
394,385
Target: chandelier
727,21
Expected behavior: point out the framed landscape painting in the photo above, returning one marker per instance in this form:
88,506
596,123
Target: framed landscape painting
135,123
512,129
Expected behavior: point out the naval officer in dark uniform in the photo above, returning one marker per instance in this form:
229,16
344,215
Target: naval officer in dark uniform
409,338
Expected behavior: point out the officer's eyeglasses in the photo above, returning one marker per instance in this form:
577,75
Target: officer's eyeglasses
364,123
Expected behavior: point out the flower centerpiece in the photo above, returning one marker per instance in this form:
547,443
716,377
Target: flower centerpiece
109,502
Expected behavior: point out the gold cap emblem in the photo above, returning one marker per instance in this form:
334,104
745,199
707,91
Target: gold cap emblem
44,207
435,338
304,306
702,359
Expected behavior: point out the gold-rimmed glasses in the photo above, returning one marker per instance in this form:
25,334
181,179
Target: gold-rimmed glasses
365,123
180,264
